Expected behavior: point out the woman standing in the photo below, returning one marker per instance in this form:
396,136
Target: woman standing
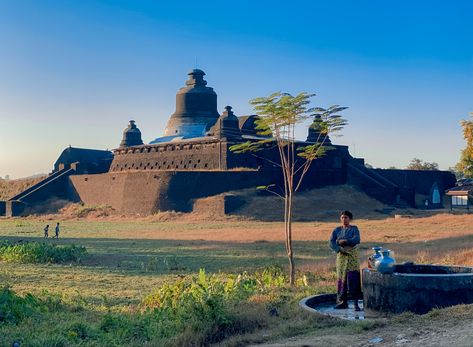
344,241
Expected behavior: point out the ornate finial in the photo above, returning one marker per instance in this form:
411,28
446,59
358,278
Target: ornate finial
196,78
228,111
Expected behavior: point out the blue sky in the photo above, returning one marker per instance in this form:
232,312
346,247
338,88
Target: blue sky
74,72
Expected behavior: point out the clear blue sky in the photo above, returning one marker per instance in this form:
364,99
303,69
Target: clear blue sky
74,72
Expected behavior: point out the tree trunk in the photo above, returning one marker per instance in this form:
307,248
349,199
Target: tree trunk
288,227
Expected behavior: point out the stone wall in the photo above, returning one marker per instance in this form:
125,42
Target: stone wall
208,154
145,192
218,205
415,186
14,208
169,176
2,208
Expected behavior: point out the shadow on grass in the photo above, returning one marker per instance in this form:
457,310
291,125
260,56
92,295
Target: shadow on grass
156,256
186,255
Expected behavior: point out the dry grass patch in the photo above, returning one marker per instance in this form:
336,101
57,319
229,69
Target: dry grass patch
129,257
10,188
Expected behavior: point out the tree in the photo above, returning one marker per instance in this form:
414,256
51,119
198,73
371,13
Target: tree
465,165
418,164
458,174
278,116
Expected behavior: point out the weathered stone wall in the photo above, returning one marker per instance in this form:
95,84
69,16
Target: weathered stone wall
420,290
368,181
100,189
2,208
140,182
145,192
218,205
208,154
14,208
415,186
57,187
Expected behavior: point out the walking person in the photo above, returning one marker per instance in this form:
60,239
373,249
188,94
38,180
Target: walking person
56,230
344,242
46,231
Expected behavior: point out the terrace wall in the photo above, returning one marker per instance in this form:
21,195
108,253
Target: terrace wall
145,192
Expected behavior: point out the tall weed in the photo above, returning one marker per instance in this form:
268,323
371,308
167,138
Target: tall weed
37,252
14,308
208,307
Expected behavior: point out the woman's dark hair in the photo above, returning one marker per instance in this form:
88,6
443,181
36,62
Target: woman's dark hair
347,213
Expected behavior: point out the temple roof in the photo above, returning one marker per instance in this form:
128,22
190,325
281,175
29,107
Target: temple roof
83,155
196,109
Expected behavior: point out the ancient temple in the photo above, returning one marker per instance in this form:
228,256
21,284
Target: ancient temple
193,160
196,110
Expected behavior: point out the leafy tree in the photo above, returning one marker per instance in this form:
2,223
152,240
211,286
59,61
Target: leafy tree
458,174
418,164
279,115
465,165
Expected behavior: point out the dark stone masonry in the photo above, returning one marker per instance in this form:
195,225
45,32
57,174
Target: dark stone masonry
193,160
416,288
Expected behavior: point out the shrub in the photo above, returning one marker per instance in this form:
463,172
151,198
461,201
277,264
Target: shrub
196,310
14,308
207,307
79,331
36,252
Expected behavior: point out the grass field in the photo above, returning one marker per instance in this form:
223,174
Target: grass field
127,259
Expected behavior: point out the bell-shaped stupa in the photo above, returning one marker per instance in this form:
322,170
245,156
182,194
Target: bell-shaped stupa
131,136
196,108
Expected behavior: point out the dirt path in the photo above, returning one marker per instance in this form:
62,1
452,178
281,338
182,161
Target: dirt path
436,332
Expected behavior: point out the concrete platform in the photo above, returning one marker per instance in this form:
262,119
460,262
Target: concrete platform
324,304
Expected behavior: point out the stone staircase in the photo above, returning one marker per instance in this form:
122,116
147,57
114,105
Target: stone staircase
51,186
403,204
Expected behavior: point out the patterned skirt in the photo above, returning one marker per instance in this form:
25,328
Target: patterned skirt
348,275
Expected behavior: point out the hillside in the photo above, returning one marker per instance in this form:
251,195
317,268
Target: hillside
9,188
317,204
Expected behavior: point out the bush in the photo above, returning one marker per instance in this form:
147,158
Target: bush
36,252
14,308
196,310
209,304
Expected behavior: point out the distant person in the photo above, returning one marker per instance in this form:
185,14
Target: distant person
46,231
56,230
344,241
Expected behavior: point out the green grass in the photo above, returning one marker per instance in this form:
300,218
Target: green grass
106,290
40,252
102,301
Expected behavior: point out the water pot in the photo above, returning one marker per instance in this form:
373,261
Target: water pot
385,264
372,258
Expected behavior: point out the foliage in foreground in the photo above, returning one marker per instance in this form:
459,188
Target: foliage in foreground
207,304
39,252
191,311
14,308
